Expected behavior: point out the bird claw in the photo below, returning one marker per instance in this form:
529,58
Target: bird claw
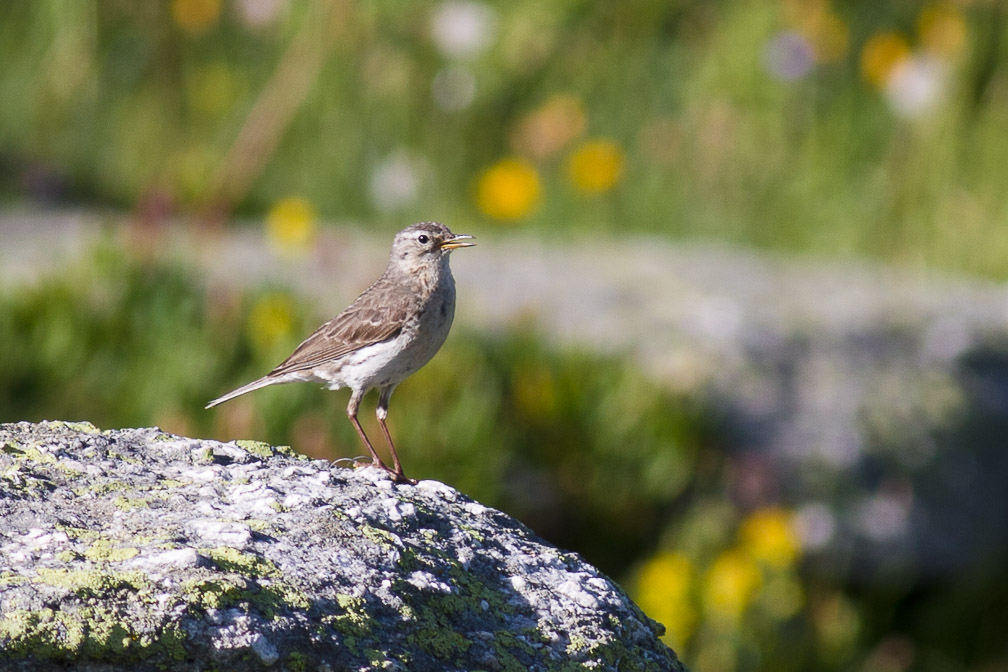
401,478
397,475
364,463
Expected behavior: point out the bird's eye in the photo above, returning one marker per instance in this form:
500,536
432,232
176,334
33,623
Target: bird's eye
423,239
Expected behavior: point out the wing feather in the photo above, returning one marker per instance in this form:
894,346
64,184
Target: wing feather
362,324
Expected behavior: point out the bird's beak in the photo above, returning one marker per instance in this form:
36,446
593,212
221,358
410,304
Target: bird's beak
458,240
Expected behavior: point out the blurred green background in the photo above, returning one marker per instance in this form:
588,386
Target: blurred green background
852,129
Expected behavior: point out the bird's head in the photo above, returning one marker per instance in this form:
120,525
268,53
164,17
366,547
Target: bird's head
426,243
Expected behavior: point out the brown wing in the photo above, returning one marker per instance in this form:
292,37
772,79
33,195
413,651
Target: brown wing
365,322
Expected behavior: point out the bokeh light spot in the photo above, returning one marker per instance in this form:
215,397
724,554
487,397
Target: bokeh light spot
730,585
271,322
770,537
664,585
291,226
510,189
942,29
596,166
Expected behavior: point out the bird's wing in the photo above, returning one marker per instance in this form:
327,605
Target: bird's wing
362,324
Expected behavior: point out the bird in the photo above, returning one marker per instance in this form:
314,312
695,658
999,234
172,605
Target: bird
388,333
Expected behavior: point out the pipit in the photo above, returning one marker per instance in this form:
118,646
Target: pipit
383,337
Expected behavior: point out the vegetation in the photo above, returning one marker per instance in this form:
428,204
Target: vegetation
840,128
855,128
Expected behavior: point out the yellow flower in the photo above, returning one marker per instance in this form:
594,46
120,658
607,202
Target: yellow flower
942,29
730,585
663,592
271,321
290,225
509,189
769,536
880,56
596,166
195,16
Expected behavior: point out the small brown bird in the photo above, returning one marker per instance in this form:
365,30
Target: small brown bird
395,327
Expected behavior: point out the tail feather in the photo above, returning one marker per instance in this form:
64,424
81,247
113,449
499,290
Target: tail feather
254,385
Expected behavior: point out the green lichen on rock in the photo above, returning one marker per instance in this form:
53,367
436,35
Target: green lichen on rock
158,552
87,633
264,450
130,503
33,454
204,456
257,448
80,427
91,581
216,593
247,564
44,634
104,550
288,451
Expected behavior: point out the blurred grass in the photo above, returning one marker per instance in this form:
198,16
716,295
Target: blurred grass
772,124
854,128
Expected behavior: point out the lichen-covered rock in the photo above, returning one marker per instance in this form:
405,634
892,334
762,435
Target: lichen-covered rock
135,549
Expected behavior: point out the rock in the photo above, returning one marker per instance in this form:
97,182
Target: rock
135,549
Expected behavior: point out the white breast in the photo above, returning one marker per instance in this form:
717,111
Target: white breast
392,361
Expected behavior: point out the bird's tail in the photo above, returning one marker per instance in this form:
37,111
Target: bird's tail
254,385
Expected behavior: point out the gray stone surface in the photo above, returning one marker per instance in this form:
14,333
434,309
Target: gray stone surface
138,550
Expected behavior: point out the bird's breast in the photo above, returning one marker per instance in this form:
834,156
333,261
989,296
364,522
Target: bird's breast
435,317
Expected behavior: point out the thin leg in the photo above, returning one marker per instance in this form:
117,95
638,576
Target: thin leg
351,411
382,412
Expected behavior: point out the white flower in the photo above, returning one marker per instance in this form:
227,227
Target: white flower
395,182
462,29
260,13
916,85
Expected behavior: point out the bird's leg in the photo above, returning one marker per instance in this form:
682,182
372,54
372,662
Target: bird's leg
382,412
351,411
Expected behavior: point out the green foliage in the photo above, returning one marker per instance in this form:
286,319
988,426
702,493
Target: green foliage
730,133
713,126
105,341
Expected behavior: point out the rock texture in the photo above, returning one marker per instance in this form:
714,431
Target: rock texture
135,549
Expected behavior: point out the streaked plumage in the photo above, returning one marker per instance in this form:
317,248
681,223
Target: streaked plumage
391,330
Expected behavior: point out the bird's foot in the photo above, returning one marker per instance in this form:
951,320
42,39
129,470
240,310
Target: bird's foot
397,476
400,477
